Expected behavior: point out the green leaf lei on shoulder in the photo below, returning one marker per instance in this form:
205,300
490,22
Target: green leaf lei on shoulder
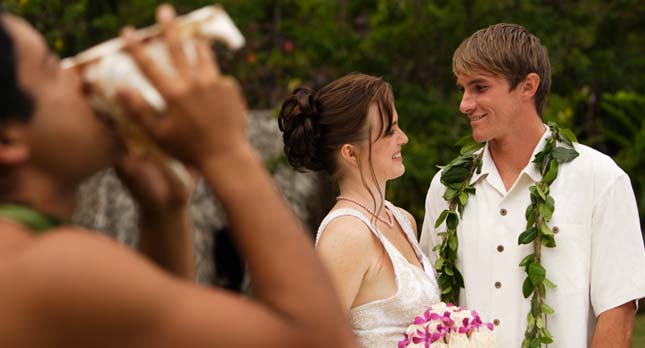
456,176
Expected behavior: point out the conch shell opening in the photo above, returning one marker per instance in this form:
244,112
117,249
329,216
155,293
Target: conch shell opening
106,67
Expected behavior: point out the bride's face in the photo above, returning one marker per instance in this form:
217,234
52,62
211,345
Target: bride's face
387,160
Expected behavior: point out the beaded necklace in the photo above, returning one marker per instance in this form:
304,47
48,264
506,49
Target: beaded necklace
389,221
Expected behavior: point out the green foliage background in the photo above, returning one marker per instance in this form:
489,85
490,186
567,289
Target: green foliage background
597,50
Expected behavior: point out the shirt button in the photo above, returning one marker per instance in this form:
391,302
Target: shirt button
500,248
498,285
503,212
556,229
496,322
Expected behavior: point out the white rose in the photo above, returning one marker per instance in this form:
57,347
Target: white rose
439,307
459,317
483,338
457,340
412,329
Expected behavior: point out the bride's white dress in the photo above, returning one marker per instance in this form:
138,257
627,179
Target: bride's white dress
381,323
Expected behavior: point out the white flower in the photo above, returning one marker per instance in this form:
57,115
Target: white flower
483,338
459,317
457,340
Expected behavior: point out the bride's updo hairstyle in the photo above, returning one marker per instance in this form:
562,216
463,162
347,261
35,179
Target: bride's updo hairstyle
315,124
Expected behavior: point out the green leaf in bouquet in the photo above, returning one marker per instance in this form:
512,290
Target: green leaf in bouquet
446,290
448,271
546,339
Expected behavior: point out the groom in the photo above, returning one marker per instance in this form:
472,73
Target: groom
598,263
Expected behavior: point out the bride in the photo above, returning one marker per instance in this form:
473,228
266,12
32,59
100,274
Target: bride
349,128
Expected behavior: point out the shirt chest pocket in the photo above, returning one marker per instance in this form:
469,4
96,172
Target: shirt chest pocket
567,265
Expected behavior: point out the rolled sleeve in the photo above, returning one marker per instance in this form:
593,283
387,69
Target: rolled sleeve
617,252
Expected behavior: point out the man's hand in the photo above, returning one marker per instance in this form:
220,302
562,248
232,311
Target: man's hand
204,116
157,190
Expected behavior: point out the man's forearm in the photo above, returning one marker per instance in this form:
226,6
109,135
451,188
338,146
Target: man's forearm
286,272
614,327
167,239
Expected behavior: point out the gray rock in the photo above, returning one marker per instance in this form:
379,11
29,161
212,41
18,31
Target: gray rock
106,206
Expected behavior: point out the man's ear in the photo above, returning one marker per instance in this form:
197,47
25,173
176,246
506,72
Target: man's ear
348,153
14,147
530,85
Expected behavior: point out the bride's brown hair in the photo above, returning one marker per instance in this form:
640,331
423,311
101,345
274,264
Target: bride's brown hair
315,124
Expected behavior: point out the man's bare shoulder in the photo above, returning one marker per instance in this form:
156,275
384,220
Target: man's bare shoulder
72,287
73,279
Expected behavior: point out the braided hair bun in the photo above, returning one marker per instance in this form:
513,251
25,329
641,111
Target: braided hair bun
298,121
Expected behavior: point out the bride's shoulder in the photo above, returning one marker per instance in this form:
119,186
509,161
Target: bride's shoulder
345,231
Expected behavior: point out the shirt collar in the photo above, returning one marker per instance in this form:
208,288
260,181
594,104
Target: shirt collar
531,169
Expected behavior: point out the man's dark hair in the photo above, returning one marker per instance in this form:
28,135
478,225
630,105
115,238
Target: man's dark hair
15,102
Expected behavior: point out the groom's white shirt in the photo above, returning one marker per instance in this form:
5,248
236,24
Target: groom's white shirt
598,264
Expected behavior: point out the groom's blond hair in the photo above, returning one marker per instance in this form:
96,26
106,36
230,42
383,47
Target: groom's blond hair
507,50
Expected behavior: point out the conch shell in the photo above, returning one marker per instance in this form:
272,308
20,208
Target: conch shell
106,67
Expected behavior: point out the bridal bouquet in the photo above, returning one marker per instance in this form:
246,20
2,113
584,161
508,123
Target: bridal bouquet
448,326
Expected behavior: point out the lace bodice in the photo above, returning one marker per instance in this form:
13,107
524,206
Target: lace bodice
381,323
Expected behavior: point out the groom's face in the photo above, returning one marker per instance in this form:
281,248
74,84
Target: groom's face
490,104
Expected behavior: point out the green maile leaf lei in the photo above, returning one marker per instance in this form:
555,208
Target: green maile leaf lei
456,176
28,217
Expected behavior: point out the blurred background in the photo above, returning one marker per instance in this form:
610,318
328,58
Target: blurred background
597,51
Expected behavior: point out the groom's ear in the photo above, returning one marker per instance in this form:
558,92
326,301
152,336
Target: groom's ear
530,85
349,154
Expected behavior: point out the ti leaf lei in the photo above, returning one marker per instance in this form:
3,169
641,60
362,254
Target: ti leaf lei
456,176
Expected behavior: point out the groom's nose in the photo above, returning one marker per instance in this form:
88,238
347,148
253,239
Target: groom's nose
467,104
